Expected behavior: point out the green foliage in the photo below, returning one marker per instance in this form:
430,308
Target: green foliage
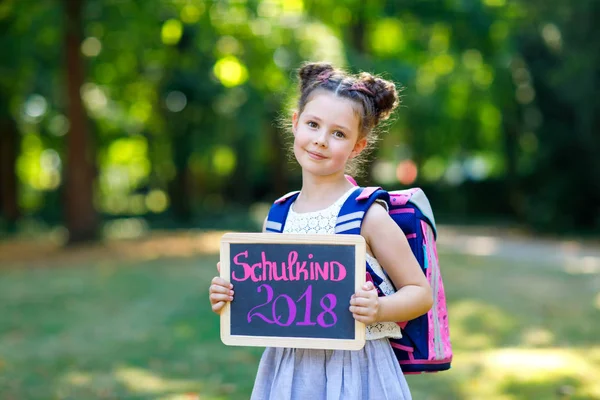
184,98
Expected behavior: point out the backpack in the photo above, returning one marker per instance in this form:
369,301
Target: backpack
425,344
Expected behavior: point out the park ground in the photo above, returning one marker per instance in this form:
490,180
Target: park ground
130,319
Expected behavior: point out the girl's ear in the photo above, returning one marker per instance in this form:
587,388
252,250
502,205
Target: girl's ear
358,147
294,122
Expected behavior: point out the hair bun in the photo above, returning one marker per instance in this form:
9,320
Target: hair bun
309,73
384,94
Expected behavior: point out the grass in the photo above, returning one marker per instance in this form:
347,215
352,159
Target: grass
104,326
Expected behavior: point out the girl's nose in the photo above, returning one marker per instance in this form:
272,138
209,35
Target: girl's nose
321,138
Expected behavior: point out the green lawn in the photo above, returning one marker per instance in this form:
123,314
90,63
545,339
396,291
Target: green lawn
101,329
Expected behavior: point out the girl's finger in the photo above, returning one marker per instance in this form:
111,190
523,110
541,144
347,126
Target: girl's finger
361,310
217,297
367,295
365,320
217,307
368,286
221,282
360,301
219,266
220,289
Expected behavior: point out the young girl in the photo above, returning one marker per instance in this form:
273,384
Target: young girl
332,126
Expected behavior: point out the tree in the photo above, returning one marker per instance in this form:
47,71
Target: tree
9,135
8,178
81,218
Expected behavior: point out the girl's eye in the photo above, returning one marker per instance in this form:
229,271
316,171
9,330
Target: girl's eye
339,134
312,124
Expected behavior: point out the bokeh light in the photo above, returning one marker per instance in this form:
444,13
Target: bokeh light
387,37
171,32
406,172
157,201
230,71
36,106
191,13
176,101
59,125
91,47
224,160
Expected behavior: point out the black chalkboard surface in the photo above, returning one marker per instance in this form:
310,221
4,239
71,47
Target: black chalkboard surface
292,290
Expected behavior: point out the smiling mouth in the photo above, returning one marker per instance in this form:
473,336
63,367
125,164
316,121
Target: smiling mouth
316,156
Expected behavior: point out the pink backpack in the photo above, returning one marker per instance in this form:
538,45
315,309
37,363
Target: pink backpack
425,344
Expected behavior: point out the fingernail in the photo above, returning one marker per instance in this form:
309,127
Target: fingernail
230,298
230,286
231,292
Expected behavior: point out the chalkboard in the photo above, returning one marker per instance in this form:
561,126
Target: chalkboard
292,290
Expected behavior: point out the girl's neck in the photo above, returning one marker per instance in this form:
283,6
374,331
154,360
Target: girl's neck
320,192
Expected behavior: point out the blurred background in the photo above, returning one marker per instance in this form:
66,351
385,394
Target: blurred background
133,133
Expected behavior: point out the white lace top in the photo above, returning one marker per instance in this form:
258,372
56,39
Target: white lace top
323,222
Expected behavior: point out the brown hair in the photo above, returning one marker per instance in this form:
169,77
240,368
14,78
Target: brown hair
376,98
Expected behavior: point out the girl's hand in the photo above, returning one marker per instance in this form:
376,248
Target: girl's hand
220,293
364,304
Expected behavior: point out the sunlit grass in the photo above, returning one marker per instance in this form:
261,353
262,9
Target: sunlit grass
519,331
130,320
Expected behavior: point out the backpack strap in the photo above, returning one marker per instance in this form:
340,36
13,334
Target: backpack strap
350,218
417,198
279,211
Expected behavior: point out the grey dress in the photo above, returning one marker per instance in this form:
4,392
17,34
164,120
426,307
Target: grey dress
310,374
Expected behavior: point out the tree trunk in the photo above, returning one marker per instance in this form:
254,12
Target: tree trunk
81,218
9,135
357,30
180,187
511,153
8,177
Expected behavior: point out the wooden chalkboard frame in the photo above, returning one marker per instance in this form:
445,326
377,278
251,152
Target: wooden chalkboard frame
293,342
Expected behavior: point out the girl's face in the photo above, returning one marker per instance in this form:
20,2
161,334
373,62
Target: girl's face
326,134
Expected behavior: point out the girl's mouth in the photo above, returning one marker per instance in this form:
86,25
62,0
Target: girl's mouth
315,156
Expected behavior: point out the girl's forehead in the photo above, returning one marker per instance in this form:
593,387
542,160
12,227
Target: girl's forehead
330,107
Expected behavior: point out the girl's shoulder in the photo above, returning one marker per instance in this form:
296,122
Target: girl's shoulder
376,220
378,212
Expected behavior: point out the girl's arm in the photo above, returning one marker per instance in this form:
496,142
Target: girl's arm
389,245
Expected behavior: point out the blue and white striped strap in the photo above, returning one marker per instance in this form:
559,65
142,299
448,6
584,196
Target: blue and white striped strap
352,213
279,211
